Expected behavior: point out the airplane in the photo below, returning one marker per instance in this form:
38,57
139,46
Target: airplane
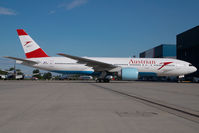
102,67
11,74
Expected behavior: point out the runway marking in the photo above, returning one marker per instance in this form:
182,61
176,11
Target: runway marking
172,109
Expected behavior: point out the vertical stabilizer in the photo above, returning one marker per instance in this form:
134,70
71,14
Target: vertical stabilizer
31,48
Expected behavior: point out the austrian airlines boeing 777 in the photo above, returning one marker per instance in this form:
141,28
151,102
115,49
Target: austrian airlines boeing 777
125,68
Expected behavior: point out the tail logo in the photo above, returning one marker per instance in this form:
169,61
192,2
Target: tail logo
27,42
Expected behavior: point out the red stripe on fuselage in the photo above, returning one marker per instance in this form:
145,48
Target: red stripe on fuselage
36,54
21,32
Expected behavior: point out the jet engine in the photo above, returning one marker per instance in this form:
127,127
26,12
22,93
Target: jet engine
128,74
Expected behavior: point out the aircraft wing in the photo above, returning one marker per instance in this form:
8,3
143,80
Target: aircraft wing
96,65
23,60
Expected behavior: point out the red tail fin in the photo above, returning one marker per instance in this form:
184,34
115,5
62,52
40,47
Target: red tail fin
31,48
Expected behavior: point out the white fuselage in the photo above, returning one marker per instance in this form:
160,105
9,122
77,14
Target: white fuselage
158,66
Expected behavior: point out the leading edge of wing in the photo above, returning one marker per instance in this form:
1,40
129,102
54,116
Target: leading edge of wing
20,59
96,65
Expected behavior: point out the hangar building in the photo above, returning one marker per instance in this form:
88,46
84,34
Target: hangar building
188,47
161,51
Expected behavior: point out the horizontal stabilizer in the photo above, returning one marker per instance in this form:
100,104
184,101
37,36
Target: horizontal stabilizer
23,60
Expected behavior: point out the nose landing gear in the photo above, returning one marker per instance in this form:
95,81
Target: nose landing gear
180,78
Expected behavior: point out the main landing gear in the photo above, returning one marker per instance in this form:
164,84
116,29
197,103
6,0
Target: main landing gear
102,80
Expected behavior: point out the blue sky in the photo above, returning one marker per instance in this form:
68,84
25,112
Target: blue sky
110,28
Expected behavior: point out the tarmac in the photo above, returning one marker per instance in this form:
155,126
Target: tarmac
89,107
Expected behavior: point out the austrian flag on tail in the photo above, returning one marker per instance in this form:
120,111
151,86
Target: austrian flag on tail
31,48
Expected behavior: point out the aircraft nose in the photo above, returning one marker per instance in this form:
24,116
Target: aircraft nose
194,69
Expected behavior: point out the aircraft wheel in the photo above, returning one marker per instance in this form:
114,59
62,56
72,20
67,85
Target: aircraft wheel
106,80
98,80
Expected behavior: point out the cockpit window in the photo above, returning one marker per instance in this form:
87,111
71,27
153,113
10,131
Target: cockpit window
190,65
